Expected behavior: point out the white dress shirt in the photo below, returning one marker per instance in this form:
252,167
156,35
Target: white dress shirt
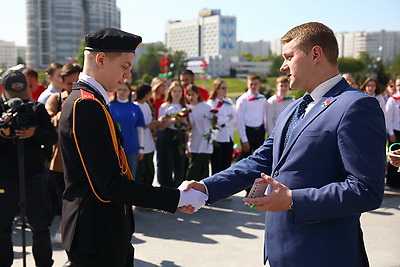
251,111
275,105
321,90
200,116
95,85
226,118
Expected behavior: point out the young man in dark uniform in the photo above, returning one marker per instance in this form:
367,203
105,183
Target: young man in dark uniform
97,220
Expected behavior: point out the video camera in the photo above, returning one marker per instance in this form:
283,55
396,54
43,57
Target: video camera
19,115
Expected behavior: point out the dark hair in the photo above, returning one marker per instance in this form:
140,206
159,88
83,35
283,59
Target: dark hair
142,90
69,69
187,72
310,34
194,88
31,73
52,68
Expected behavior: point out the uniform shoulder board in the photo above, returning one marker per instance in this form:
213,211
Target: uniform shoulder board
86,95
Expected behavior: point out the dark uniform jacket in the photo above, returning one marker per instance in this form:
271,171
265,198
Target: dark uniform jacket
87,222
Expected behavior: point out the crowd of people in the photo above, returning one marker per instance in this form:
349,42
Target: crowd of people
186,127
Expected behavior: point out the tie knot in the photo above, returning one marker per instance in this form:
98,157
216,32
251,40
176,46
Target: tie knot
307,99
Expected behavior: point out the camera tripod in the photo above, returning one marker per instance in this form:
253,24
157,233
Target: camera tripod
22,198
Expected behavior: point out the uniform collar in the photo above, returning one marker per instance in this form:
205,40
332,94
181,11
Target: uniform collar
86,79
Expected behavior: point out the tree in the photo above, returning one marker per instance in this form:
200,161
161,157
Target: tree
178,59
248,56
350,65
393,70
274,70
149,61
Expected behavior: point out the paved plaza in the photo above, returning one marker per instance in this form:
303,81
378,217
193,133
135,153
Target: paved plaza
229,234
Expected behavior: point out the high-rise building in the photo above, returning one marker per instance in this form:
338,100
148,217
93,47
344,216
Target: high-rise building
383,45
55,28
256,49
8,54
211,37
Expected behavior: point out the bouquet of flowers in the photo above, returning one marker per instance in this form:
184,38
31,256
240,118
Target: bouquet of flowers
183,113
214,122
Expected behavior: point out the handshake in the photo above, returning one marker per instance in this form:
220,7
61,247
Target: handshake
192,196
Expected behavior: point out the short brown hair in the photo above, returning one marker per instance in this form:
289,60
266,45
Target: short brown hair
282,79
31,73
311,34
253,76
69,69
51,69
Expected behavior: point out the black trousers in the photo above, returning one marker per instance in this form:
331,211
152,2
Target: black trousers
256,137
171,157
392,176
145,170
198,166
221,157
37,212
116,258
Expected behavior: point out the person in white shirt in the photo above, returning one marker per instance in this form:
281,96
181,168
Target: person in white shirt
278,102
55,82
145,169
371,87
392,116
251,108
200,140
172,127
226,117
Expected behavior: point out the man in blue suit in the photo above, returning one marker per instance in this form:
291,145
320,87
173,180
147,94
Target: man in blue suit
325,171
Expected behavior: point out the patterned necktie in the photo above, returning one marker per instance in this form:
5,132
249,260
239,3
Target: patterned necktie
297,116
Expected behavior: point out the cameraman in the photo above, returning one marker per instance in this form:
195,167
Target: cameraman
30,122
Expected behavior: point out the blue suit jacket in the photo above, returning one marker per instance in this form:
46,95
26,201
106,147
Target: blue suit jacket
335,164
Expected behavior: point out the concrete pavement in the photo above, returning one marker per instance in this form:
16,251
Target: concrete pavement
229,234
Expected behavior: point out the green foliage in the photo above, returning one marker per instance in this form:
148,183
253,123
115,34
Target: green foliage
350,65
149,61
275,66
146,78
248,56
178,58
393,70
80,56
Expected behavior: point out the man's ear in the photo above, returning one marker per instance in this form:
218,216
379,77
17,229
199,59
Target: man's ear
316,52
100,59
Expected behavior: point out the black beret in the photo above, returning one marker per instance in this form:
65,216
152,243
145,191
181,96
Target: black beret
112,40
